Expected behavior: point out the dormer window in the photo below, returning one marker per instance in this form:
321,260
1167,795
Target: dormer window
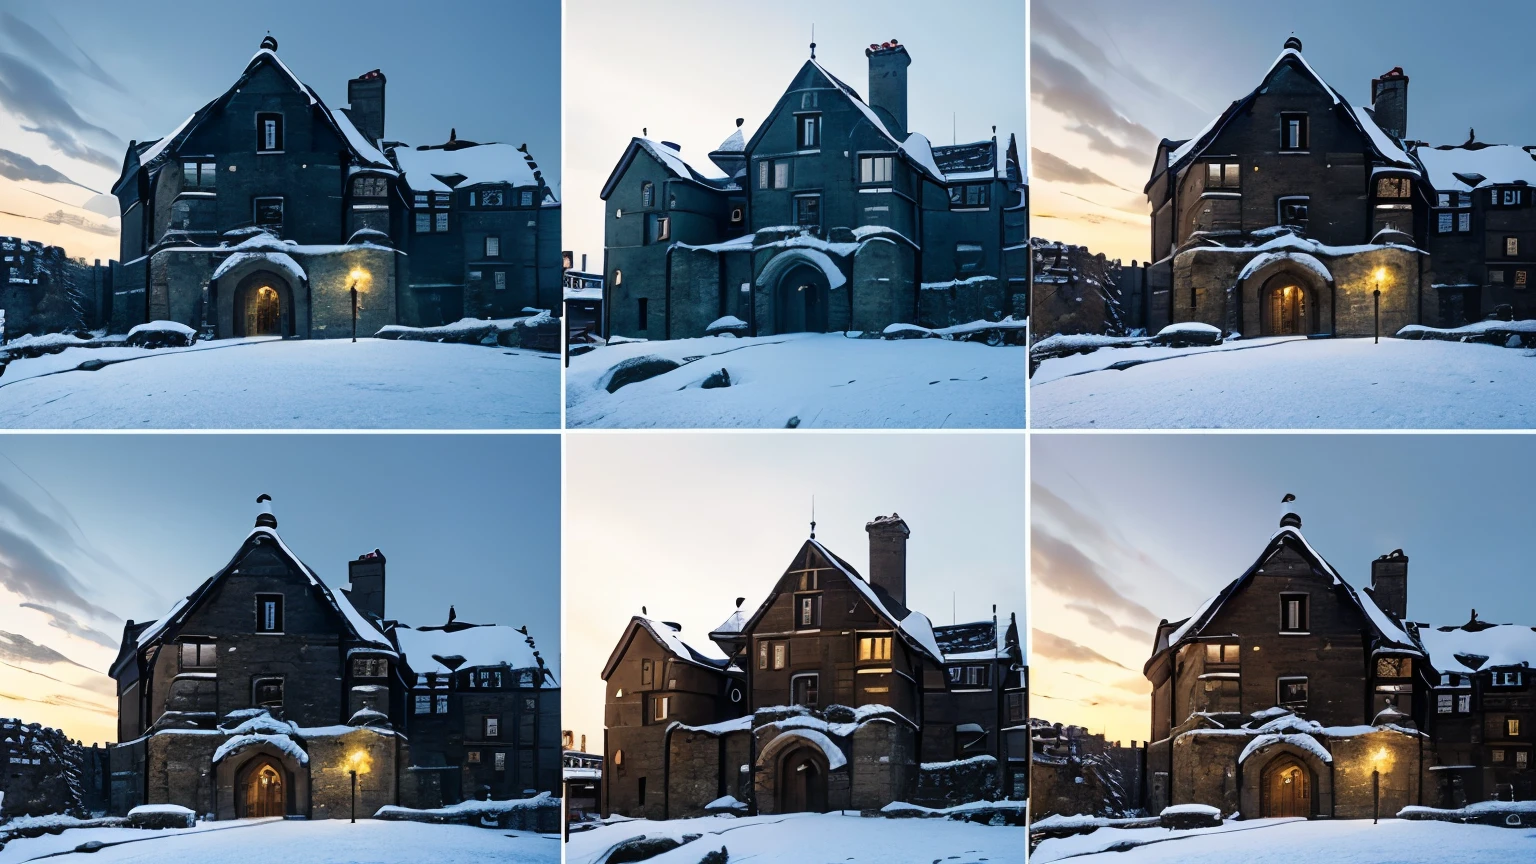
269,133
1293,133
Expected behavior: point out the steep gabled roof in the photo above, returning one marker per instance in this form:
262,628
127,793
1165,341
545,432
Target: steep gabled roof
357,626
1387,631
670,641
1383,145
671,159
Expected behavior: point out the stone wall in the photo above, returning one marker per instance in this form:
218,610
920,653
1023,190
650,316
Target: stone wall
331,760
1394,754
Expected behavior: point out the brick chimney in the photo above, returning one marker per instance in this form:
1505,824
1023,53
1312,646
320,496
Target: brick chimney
1389,102
888,62
888,555
1389,583
367,577
365,98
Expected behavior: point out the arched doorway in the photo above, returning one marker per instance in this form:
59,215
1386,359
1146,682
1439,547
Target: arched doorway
802,781
262,789
263,306
1287,786
801,301
1287,306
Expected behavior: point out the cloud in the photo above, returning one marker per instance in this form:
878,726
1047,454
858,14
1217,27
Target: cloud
1108,146
29,94
43,50
61,701
1044,22
1101,621
17,648
1096,534
66,622
1062,568
1043,644
1063,88
1053,168
15,166
34,543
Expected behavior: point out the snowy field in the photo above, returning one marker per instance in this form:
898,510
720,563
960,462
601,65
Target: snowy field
826,380
1272,841
1288,383
849,839
265,841
292,384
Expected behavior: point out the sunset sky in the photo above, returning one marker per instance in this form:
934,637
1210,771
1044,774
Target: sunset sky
1110,78
683,524
96,529
1131,529
686,75
79,79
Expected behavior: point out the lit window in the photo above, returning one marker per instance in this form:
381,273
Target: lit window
1498,756
1394,667
874,648
472,757
1394,187
1522,759
1217,652
1511,246
1222,175
1512,727
780,655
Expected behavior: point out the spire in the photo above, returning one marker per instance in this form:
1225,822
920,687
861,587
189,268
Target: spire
1289,518
264,517
813,41
813,517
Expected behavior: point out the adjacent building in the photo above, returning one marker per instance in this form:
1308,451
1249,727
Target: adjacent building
265,692
43,290
267,212
1290,693
832,694
832,216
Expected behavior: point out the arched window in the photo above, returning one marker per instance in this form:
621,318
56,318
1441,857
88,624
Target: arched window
647,194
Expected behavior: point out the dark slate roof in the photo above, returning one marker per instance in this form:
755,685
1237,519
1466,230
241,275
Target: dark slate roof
972,158
966,638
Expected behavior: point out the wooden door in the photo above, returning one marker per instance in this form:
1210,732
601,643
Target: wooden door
264,793
1287,311
804,784
1288,791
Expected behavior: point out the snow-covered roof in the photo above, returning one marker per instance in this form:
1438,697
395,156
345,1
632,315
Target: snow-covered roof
977,160
736,623
1457,169
479,163
734,143
915,625
670,156
858,102
468,647
1462,651
671,640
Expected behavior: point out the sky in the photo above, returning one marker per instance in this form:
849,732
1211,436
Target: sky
1110,78
1130,529
687,74
96,529
88,76
683,524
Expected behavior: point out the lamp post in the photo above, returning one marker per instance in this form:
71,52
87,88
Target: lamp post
354,771
1376,796
357,276
1381,274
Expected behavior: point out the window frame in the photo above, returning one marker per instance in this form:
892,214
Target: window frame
282,210
1303,132
1305,613
870,165
661,707
814,200
372,180
277,617
1306,688
256,685
1221,183
808,606
1511,246
492,246
813,690
278,132
1282,201
422,704
808,132
870,647
198,646
490,725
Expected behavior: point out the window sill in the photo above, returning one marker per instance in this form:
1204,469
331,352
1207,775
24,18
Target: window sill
270,152
1295,632
1295,152
969,209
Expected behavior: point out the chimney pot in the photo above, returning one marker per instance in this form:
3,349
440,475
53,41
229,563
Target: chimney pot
888,64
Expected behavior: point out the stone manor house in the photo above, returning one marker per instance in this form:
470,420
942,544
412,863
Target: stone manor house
1290,210
832,694
261,212
833,216
1289,693
264,689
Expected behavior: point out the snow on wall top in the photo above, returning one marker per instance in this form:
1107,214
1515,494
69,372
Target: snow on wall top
485,645
1497,163
1501,645
482,163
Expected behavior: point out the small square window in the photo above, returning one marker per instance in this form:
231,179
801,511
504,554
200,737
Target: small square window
267,692
1293,691
1498,756
423,703
472,757
493,247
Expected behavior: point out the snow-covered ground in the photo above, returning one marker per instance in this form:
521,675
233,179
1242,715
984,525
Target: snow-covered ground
827,380
1272,841
264,841
1287,383
286,384
801,837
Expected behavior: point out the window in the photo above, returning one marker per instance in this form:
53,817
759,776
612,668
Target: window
198,175
441,705
1394,667
370,187
643,312
1222,652
1394,187
810,131
269,613
493,247
501,761
1507,679
370,667
490,678
1294,210
501,280
1520,278
810,580
764,169
647,194
267,692
1498,756
492,726
1446,222
1443,703
1496,277
874,648
197,656
804,690
661,707
1293,613
780,655
762,655
618,277
1013,704
526,198
1463,222
646,674
781,175
807,610
661,228
492,198
808,211
1522,759
875,169
423,223
440,222
269,133
969,676
423,703
968,195
1510,197
1292,692
1464,703
269,214
1512,727
1511,246
1222,175
736,214
472,757
969,257
1293,132
1221,695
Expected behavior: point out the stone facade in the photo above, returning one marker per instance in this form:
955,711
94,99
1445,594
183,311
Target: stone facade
43,290
781,234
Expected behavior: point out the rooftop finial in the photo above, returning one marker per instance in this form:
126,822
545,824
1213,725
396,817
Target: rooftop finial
1293,43
269,43
813,517
813,41
264,517
1289,518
